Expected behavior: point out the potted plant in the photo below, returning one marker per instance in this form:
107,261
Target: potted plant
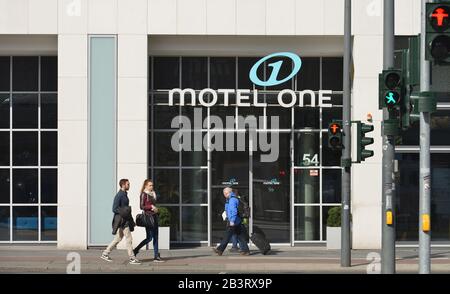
334,228
164,228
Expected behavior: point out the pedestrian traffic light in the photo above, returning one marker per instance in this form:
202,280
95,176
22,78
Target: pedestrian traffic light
410,65
362,141
335,136
438,32
391,89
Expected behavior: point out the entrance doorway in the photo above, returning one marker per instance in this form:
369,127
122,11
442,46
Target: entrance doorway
264,185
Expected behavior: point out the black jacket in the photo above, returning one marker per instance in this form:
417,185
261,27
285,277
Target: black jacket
123,219
122,213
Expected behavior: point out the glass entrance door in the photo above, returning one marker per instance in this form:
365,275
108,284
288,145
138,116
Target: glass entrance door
271,193
268,195
228,169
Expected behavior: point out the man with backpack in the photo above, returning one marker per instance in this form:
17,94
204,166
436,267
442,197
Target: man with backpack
244,213
234,224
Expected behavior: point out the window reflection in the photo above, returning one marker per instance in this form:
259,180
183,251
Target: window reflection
25,223
167,185
25,111
440,128
408,197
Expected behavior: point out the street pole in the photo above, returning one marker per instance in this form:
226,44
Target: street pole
425,176
346,153
388,197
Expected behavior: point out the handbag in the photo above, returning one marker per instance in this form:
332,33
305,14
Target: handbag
140,220
145,220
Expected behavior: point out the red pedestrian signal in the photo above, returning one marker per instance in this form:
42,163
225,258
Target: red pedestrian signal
335,136
440,18
438,33
335,128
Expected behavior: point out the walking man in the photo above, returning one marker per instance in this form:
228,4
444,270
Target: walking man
234,225
122,224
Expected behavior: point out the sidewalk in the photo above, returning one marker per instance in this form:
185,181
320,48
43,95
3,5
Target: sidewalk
47,259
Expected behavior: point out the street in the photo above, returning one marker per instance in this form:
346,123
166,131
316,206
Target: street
304,260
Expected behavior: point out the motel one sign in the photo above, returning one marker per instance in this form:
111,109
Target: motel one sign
287,98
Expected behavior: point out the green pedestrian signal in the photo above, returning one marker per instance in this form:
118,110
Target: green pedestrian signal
392,99
362,141
391,91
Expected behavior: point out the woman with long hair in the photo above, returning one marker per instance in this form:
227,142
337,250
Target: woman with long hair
147,203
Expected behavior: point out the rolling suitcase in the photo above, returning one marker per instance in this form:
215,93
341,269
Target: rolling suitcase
260,241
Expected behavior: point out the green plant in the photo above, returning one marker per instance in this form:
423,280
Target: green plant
164,217
334,217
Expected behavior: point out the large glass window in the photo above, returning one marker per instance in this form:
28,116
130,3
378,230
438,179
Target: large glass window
189,184
408,197
28,148
317,171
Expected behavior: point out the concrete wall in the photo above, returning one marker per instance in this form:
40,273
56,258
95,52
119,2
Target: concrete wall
278,21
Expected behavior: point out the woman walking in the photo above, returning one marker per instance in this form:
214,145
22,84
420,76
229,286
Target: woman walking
147,203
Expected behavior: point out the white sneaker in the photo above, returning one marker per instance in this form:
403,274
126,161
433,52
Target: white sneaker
134,261
106,257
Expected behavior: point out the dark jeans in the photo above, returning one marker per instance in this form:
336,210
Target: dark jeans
234,241
234,238
240,232
152,233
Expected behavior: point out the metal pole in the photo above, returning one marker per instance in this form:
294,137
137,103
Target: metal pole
388,197
346,153
425,177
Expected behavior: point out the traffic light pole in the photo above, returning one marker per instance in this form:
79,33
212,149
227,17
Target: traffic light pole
425,177
388,197
346,152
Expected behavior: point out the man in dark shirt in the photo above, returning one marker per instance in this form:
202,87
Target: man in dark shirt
121,226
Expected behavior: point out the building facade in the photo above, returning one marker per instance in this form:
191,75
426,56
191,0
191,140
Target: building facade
84,91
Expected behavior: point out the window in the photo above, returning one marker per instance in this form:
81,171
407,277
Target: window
25,73
407,154
440,128
188,183
28,148
408,197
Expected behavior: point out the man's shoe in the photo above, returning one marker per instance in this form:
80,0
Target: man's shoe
234,249
158,259
217,251
134,261
106,257
245,253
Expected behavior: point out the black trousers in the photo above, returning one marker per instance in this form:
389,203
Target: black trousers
240,232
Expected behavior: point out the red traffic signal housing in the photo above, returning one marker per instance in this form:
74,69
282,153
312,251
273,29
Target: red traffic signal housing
335,136
438,32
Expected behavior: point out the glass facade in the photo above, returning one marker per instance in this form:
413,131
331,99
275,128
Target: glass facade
408,181
408,154
28,149
290,197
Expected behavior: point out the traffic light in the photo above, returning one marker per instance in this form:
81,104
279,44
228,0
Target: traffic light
411,80
335,136
391,90
438,32
362,141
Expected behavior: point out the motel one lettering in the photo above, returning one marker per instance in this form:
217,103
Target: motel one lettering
287,98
